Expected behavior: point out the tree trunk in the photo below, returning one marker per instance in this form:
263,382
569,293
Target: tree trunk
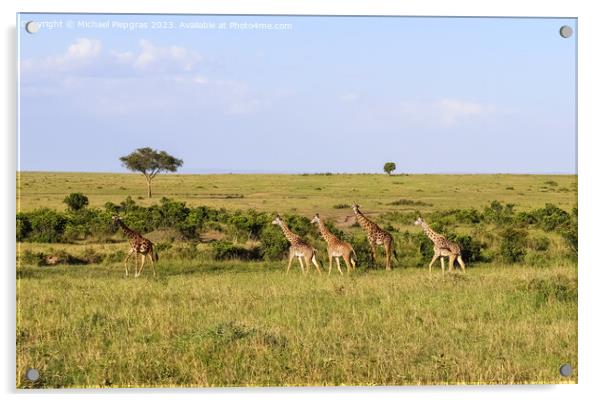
148,186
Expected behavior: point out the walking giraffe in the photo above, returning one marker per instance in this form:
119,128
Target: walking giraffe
336,248
138,245
442,247
376,236
298,248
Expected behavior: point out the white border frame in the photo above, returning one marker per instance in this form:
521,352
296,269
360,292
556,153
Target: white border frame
590,275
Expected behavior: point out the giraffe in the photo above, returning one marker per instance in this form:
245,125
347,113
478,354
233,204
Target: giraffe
298,248
376,236
138,245
442,247
336,248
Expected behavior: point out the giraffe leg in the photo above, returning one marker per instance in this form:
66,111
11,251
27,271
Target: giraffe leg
461,263
442,265
432,261
126,261
388,253
152,263
315,262
348,262
339,265
329,263
290,260
452,258
141,265
136,258
373,251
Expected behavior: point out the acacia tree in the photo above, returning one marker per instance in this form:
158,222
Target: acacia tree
150,162
389,167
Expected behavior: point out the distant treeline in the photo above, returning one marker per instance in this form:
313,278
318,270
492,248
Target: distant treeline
497,233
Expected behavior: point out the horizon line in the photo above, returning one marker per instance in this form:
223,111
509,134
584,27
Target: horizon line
223,172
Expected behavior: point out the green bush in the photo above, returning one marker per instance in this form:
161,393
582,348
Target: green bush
551,217
513,245
361,246
47,225
470,248
222,250
247,225
73,233
525,218
28,257
404,201
499,213
23,226
169,213
76,201
300,225
570,233
539,243
408,251
274,245
468,216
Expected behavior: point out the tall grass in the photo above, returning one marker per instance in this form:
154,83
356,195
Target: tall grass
234,323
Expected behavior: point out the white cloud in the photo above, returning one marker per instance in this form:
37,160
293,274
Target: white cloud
84,48
154,58
445,111
453,110
78,54
124,79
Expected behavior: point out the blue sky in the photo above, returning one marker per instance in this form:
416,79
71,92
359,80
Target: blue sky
324,94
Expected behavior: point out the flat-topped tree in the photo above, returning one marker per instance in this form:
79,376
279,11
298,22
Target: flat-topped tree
150,162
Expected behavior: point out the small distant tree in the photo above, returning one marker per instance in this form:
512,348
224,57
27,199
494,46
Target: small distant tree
389,167
76,201
150,162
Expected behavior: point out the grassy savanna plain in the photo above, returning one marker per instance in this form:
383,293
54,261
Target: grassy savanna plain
203,322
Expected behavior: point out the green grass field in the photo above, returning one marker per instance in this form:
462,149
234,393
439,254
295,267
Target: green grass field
234,323
301,194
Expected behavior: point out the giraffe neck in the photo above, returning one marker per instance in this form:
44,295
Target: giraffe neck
290,236
128,232
364,222
431,234
326,234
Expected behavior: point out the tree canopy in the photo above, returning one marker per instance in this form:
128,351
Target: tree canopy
150,162
389,167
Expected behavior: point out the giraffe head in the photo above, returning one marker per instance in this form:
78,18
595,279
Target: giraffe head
277,220
419,221
316,219
355,207
116,218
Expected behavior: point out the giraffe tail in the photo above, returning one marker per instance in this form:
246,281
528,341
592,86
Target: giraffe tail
155,255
